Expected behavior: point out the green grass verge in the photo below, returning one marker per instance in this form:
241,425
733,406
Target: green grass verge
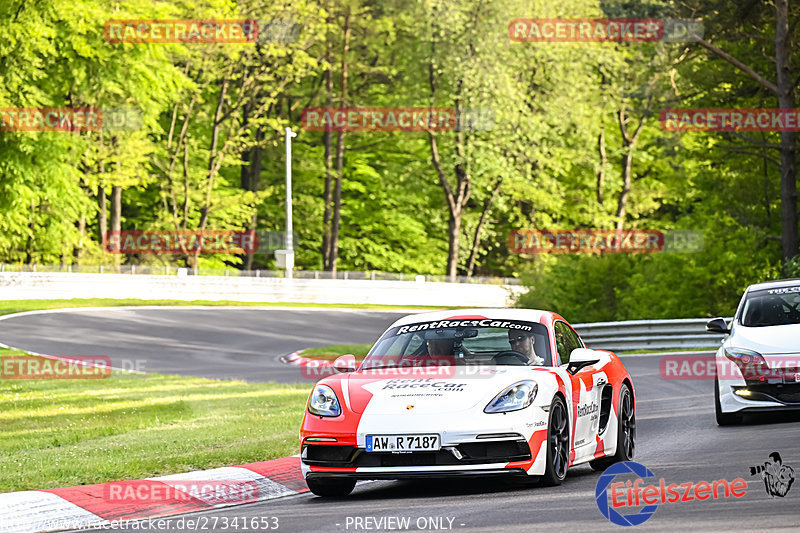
64,432
329,353
17,306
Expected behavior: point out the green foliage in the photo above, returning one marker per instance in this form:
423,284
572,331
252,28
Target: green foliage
210,111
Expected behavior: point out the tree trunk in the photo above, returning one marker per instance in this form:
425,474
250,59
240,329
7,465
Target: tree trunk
326,141
337,195
601,172
250,178
78,252
456,200
629,144
116,215
789,239
453,237
102,215
476,241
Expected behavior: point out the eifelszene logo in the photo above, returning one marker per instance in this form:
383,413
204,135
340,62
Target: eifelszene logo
633,495
778,477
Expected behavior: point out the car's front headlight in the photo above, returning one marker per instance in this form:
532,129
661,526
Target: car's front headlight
743,355
323,402
751,364
517,396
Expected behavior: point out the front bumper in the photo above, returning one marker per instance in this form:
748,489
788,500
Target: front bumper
486,452
394,475
489,444
738,396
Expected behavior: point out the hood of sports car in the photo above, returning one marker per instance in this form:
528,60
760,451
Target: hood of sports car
388,393
767,339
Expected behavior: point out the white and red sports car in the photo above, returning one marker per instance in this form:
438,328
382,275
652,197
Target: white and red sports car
468,393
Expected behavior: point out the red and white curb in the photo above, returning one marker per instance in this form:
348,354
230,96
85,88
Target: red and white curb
89,505
295,358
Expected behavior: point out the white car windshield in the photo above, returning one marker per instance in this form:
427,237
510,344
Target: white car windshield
463,341
772,307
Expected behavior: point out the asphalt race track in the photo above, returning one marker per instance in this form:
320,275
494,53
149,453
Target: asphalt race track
677,436
227,343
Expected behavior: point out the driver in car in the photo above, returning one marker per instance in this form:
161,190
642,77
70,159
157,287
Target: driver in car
440,346
522,342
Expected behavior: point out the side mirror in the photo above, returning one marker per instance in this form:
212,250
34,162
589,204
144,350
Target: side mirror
581,357
717,325
345,363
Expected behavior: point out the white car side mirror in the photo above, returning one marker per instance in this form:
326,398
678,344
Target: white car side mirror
581,357
345,363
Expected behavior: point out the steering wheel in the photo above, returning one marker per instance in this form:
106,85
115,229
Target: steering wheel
513,353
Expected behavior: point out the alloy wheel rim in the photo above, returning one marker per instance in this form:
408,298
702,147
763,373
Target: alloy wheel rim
559,441
628,423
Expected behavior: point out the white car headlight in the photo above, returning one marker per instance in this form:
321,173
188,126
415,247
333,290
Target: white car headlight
323,402
517,396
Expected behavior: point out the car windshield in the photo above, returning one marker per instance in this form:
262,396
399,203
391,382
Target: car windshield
772,307
462,341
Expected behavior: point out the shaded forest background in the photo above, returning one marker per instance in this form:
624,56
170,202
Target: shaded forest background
575,142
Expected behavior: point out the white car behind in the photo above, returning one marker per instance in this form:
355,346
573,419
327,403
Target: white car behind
758,364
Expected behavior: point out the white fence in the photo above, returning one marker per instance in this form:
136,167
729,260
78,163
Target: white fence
41,285
166,270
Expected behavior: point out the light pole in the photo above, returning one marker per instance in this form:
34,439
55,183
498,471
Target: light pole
289,240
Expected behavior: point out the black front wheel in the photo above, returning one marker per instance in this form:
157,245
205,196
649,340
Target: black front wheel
331,488
724,419
626,432
557,444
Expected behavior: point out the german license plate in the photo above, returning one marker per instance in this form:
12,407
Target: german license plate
403,443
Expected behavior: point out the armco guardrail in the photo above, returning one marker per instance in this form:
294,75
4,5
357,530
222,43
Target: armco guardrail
649,334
